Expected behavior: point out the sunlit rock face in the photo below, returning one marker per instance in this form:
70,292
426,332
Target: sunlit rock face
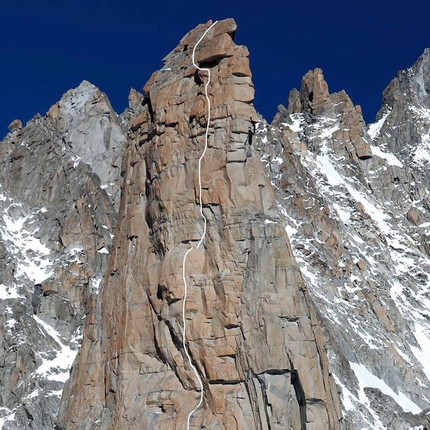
308,302
253,331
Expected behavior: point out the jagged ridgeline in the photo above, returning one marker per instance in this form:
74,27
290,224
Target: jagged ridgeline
308,303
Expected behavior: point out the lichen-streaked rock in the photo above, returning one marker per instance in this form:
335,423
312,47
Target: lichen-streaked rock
252,330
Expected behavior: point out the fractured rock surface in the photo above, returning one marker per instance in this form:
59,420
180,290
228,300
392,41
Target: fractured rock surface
352,209
252,328
55,227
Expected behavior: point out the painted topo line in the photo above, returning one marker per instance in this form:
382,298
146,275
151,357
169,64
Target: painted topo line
204,229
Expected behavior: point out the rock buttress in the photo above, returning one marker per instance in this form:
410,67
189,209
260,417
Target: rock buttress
251,328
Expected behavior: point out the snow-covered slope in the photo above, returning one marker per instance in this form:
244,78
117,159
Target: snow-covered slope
359,228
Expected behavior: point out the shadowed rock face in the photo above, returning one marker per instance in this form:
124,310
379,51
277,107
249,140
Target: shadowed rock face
403,123
55,230
252,331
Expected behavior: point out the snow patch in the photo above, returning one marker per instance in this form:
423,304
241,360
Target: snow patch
422,152
328,132
32,257
296,125
334,178
367,379
342,213
347,397
388,156
375,128
95,284
56,369
422,354
291,231
10,417
8,292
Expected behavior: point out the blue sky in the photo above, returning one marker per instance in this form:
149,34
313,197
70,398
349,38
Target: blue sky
50,46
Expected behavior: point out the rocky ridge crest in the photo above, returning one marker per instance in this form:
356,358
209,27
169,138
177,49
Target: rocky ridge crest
351,209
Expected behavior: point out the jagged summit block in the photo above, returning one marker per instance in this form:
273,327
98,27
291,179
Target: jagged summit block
314,95
15,125
252,328
90,126
314,103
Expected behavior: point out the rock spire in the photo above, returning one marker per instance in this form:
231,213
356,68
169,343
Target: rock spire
254,336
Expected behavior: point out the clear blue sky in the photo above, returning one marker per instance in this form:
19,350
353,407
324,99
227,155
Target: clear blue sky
50,46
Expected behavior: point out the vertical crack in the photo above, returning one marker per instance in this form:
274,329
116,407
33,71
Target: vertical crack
265,399
300,396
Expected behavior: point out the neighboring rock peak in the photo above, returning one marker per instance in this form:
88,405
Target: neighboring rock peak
420,78
414,83
73,101
135,100
345,200
320,110
57,209
313,98
403,122
87,123
314,94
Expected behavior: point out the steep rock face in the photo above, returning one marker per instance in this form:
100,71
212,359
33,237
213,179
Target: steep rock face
352,210
55,226
252,331
402,124
88,124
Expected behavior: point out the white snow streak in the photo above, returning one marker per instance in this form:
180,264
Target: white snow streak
388,156
8,292
422,354
56,369
367,379
334,178
31,255
375,128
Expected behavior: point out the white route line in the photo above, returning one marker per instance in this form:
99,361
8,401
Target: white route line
204,230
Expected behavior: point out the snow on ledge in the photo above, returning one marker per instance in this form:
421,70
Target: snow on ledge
335,179
422,354
388,156
375,128
8,292
367,379
56,369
